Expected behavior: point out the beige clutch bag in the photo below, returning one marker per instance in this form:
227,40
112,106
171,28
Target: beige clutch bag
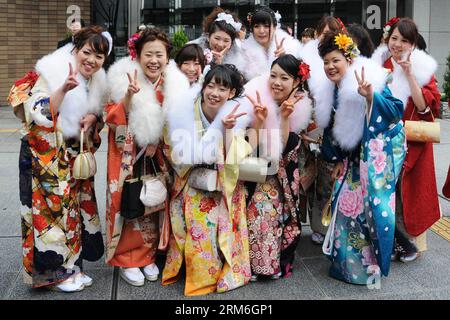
85,166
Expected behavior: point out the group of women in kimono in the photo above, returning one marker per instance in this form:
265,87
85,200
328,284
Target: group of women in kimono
221,103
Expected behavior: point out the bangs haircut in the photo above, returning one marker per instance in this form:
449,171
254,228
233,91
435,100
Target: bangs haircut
408,29
210,25
150,35
226,75
93,37
264,16
191,52
291,66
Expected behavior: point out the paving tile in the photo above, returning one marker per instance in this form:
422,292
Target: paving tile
100,290
10,254
397,282
6,282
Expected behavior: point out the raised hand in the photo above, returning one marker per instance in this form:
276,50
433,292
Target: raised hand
287,107
71,81
365,88
133,86
260,110
229,121
406,64
280,49
218,56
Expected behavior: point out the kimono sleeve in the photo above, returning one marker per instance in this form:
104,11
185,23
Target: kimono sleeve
432,98
115,115
37,107
387,106
292,143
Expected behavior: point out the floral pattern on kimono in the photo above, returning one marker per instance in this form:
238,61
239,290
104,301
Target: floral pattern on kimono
362,228
63,227
210,236
274,216
121,153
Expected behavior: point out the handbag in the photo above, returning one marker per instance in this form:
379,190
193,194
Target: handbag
153,192
85,166
254,169
132,206
205,179
423,131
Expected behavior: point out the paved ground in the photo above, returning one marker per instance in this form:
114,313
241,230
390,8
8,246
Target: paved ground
427,278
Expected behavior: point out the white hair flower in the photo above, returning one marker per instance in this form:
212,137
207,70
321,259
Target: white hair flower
278,17
228,18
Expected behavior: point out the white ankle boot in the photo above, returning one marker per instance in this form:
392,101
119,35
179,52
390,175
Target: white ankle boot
132,276
151,272
86,280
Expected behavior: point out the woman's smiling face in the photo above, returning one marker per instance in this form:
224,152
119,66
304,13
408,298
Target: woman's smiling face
335,66
153,59
281,84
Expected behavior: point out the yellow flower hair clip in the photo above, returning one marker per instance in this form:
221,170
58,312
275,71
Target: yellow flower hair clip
347,46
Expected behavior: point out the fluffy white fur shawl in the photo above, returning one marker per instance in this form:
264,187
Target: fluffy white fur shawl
147,117
349,118
54,69
233,56
299,120
423,67
258,61
188,147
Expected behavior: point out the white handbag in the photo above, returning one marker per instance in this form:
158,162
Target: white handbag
153,192
253,169
85,166
204,179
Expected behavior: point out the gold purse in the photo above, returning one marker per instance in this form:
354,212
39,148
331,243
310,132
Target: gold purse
326,211
85,166
423,131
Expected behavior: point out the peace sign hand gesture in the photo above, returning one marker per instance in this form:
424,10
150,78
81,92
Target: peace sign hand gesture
406,63
260,110
71,81
229,121
133,86
280,49
287,107
218,56
365,88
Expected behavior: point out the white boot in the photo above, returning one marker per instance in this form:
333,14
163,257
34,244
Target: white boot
151,272
73,284
132,276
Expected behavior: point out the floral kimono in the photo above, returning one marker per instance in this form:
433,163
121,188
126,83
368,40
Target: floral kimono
370,140
63,227
273,211
209,229
134,243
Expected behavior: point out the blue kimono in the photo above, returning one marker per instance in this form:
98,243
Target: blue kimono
361,234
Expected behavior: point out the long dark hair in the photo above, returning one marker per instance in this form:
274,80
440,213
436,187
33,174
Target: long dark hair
362,38
263,15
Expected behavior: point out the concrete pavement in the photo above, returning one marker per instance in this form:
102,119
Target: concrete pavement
427,278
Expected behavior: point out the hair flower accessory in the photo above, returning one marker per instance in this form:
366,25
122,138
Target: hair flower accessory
108,37
304,71
132,45
278,17
228,18
343,27
388,26
347,46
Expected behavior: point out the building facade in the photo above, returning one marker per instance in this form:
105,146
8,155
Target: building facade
30,29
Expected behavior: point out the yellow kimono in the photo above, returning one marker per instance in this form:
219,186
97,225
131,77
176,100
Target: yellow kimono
209,230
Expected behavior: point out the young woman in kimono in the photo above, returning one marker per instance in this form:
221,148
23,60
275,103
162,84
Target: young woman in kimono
413,82
266,42
141,86
192,62
209,228
63,228
365,140
219,39
320,193
282,111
